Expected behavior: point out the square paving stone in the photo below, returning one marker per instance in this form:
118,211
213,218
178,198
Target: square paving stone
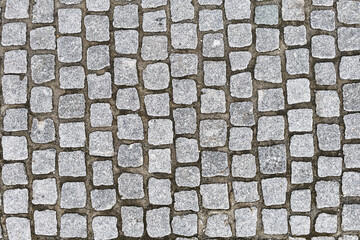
43,68
97,28
183,64
44,192
217,225
127,98
213,133
102,173
72,164
130,155
187,176
72,77
99,86
42,38
267,39
236,10
159,191
323,46
327,3
241,85
69,49
185,225
210,20
300,225
15,61
351,155
239,35
245,191
14,174
18,228
43,161
16,201
245,221
268,69
300,120
184,91
272,159
348,12
73,195
154,48
98,57
184,36
213,45
298,90
159,161
181,10
126,41
350,216
43,11
293,10
158,222
73,225
301,172
327,103
348,39
41,99
105,227
72,134
69,20
71,106
131,186
160,131
156,76
130,126
270,128
101,144
325,73
185,120
215,196
323,20
42,131
326,223
351,93
101,115
328,137
297,61
302,145
186,200
210,2
126,16
98,5
157,104
154,21
239,60
15,119
270,99
349,186
152,3
103,199
241,114
14,147
295,35
214,73
45,222
17,9
132,221
327,194
214,163
274,191
14,89
240,138
213,101
330,166
13,34
275,221
300,200
266,14
186,150
243,166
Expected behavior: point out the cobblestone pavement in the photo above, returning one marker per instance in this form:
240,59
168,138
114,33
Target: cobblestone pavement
180,119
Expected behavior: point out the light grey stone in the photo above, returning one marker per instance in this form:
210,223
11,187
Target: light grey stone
213,101
15,119
130,155
297,61
348,12
44,191
243,166
245,221
237,9
126,16
43,161
72,77
97,28
185,225
71,106
241,85
300,120
69,20
245,191
15,61
302,145
325,73
158,222
328,136
98,5
14,89
300,200
350,217
42,131
183,64
348,38
43,68
70,2
73,225
323,46
43,11
214,73
239,35
69,49
159,161
351,94
98,57
17,9
267,39
217,225
13,34
73,195
215,196
210,2
274,191
126,72
131,186
101,115
181,10
349,186
105,227
187,176
349,67
214,163
270,128
160,131
186,200
72,134
268,69
184,36
326,223
323,20
157,104
16,201
187,150
327,103
153,3
132,221
154,48
300,225
154,21
126,41
101,144
295,35
42,38
184,91
130,126
159,191
103,173
275,221
210,20
213,45
239,60
351,155
327,3
14,147
99,86
18,228
41,99
156,76
293,10
45,222
348,237
72,164
240,138
270,99
213,133
185,120
242,114
103,199
272,159
330,166
14,174
301,172
266,14
327,194
127,99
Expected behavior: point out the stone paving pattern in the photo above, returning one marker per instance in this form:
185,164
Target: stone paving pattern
180,119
